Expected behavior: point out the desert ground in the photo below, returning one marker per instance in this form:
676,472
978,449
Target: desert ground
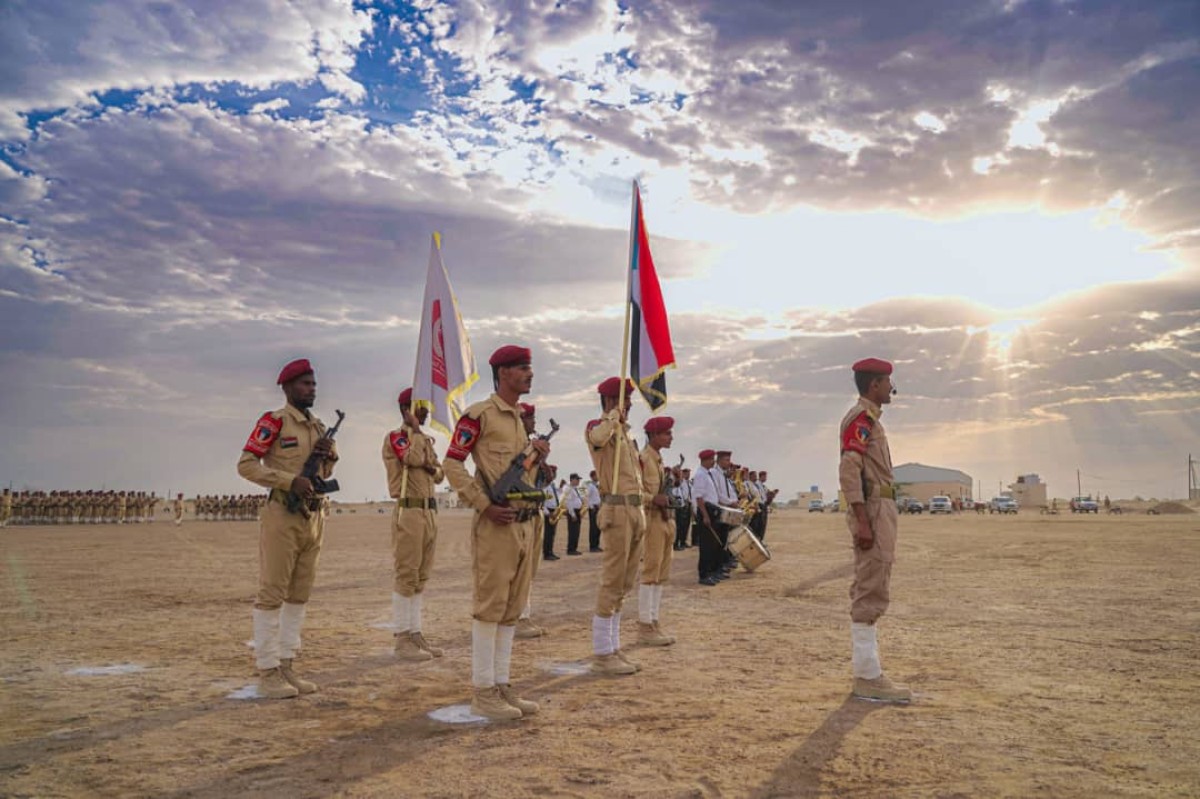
1053,656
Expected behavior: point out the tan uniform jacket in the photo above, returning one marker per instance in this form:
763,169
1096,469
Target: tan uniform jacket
492,433
276,451
418,452
602,436
652,479
865,453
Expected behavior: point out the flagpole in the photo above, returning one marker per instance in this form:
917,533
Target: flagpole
625,345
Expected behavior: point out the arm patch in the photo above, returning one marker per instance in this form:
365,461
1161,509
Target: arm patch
264,435
857,434
466,434
399,441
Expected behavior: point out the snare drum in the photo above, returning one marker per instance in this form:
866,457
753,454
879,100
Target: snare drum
745,546
731,517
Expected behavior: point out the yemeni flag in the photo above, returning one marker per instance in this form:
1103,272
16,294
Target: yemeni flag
650,349
445,368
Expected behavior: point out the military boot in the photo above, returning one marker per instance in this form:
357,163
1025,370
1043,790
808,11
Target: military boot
421,643
406,649
625,659
527,629
273,685
648,635
527,707
299,683
881,689
491,704
670,638
611,665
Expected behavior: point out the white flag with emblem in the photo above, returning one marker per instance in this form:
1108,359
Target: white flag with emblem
445,365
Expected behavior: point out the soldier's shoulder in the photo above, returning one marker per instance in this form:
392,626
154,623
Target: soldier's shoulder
593,423
477,409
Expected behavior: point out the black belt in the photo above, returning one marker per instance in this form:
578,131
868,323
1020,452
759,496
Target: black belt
411,502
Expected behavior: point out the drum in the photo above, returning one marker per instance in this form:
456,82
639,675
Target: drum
745,546
720,514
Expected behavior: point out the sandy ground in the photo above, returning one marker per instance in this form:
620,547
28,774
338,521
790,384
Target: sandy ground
1051,656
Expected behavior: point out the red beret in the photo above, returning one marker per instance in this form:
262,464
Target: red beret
874,366
294,370
405,397
511,355
527,409
658,424
610,387
705,454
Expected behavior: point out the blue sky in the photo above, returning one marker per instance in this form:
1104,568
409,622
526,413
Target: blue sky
999,195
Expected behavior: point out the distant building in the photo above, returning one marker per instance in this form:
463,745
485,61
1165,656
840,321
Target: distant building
1029,491
804,497
923,482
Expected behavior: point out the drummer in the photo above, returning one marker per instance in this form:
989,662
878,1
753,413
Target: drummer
728,496
704,489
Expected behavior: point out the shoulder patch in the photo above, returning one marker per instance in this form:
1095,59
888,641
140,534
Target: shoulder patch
399,441
264,435
462,441
857,433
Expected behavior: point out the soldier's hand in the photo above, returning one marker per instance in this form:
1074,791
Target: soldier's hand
323,447
301,487
498,514
410,419
660,500
864,539
541,447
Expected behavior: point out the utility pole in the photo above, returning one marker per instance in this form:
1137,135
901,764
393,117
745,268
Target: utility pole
1078,485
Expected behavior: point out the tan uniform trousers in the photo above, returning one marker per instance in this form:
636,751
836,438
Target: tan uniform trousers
623,530
502,560
870,592
414,539
660,538
288,548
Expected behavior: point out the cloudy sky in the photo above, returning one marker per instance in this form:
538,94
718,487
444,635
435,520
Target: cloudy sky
1002,196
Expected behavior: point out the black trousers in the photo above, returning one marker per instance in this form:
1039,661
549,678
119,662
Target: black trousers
758,525
593,529
573,526
683,521
712,548
548,539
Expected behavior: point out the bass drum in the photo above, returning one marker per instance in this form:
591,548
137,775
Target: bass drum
745,546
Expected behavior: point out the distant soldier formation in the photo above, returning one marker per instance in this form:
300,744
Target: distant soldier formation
77,507
228,508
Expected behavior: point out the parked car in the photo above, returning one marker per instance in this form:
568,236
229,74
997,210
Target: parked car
940,505
1084,505
816,506
1002,505
834,506
968,504
909,505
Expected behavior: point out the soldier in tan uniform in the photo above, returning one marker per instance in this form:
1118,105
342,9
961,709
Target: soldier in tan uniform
502,533
660,532
413,471
289,543
177,508
525,625
869,496
622,523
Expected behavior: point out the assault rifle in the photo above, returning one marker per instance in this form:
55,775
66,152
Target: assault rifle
311,472
669,485
511,484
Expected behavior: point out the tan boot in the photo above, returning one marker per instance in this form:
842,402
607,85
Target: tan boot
407,649
611,665
670,638
648,635
272,685
881,689
299,683
527,629
421,643
491,704
625,659
527,707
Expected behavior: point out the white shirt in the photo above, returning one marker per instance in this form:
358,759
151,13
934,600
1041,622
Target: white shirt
593,495
573,499
552,500
725,488
704,487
